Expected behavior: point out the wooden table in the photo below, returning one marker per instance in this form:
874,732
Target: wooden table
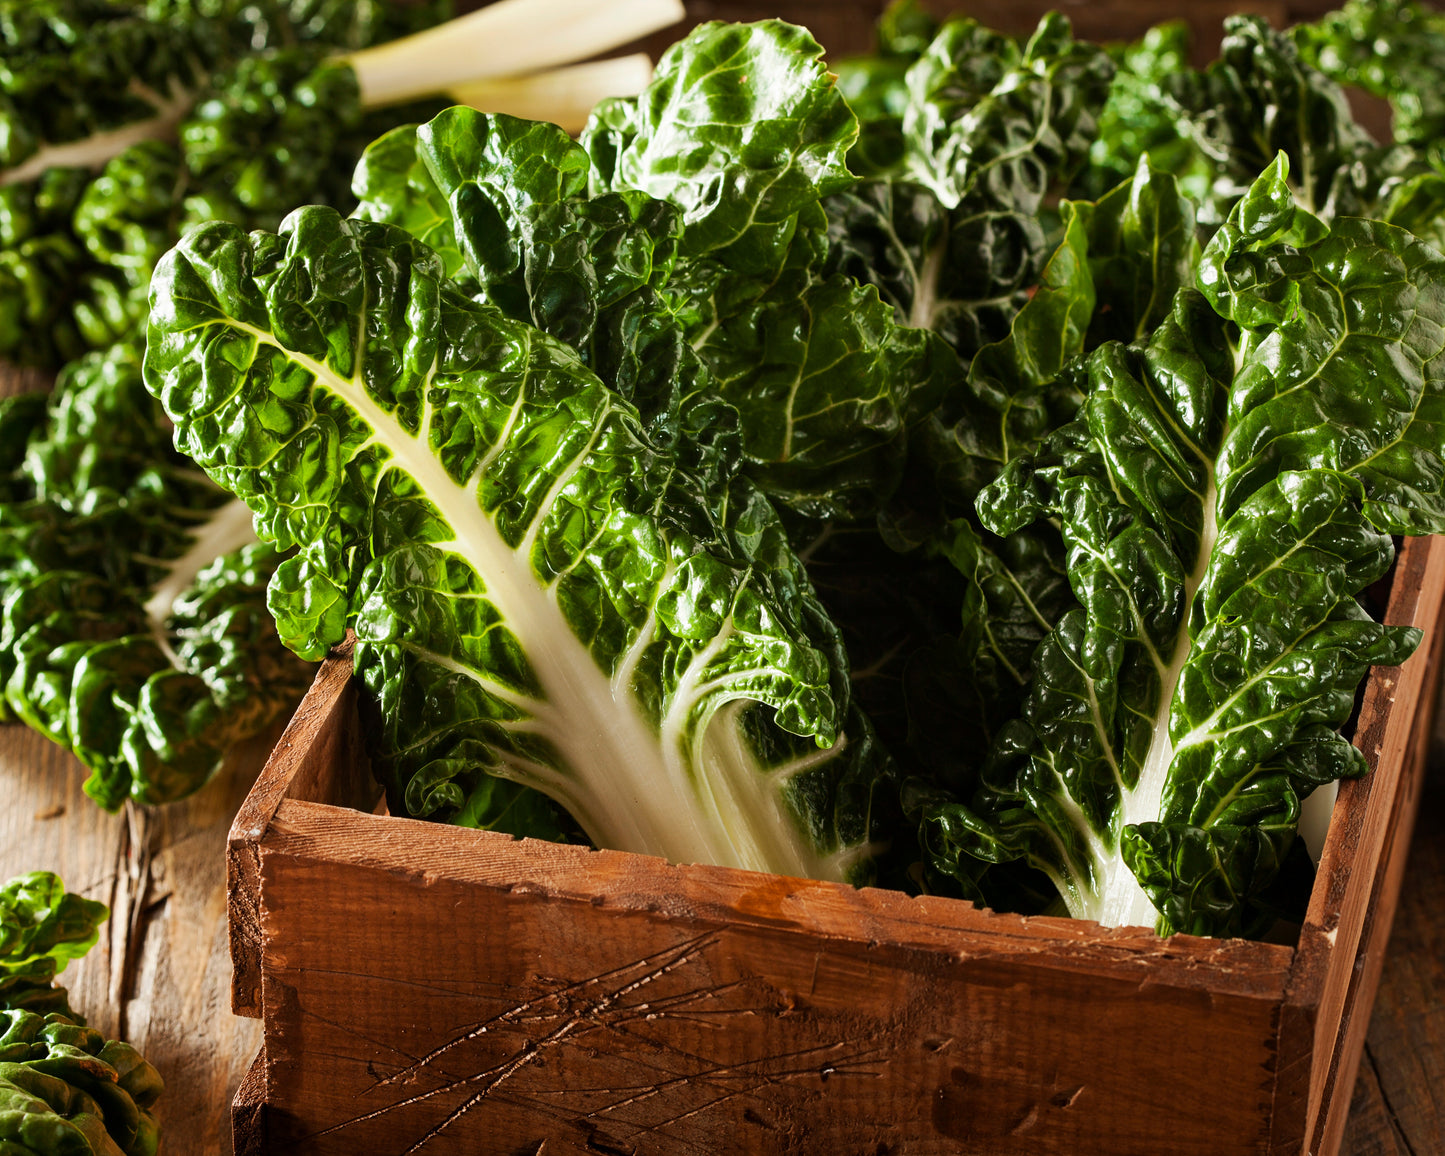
160,975
1399,1103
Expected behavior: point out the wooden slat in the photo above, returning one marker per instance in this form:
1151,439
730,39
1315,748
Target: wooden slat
319,756
248,1112
1360,831
1349,1035
631,1004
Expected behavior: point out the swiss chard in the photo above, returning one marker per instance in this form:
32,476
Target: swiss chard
65,1090
688,228
1221,506
541,593
134,626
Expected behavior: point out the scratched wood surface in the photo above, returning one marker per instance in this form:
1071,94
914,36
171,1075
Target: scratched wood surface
160,976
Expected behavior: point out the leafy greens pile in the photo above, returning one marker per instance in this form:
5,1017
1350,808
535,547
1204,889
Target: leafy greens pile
124,123
133,626
914,476
65,1090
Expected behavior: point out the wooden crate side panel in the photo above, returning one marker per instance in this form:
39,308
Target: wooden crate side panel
248,1111
319,756
494,1019
431,851
1370,959
1322,980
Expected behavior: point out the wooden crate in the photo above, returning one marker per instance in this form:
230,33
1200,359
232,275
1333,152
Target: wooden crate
430,989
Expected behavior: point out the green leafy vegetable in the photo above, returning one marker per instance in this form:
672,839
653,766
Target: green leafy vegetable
134,626
42,928
1087,507
539,591
648,265
1393,49
1221,511
64,1088
743,132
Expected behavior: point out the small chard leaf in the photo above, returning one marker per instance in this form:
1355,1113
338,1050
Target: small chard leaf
741,128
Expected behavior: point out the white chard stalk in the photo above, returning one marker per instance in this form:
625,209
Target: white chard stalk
470,57
509,38
229,528
564,96
94,152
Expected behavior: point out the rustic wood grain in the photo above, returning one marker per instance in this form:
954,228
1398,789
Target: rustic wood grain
1399,1104
605,1007
159,976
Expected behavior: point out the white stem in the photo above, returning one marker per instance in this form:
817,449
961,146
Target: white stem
925,300
1119,900
1314,818
564,96
508,38
229,528
629,782
94,152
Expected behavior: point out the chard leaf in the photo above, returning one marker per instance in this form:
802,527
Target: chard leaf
1359,305
1012,396
964,273
393,187
134,629
1262,97
812,372
1182,712
956,238
499,175
64,1088
539,591
42,928
1114,272
1142,250
1392,49
876,89
826,381
960,67
592,272
741,129
1138,120
1006,134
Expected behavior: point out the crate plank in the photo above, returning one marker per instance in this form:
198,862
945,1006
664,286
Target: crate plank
599,996
1352,884
465,984
318,756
